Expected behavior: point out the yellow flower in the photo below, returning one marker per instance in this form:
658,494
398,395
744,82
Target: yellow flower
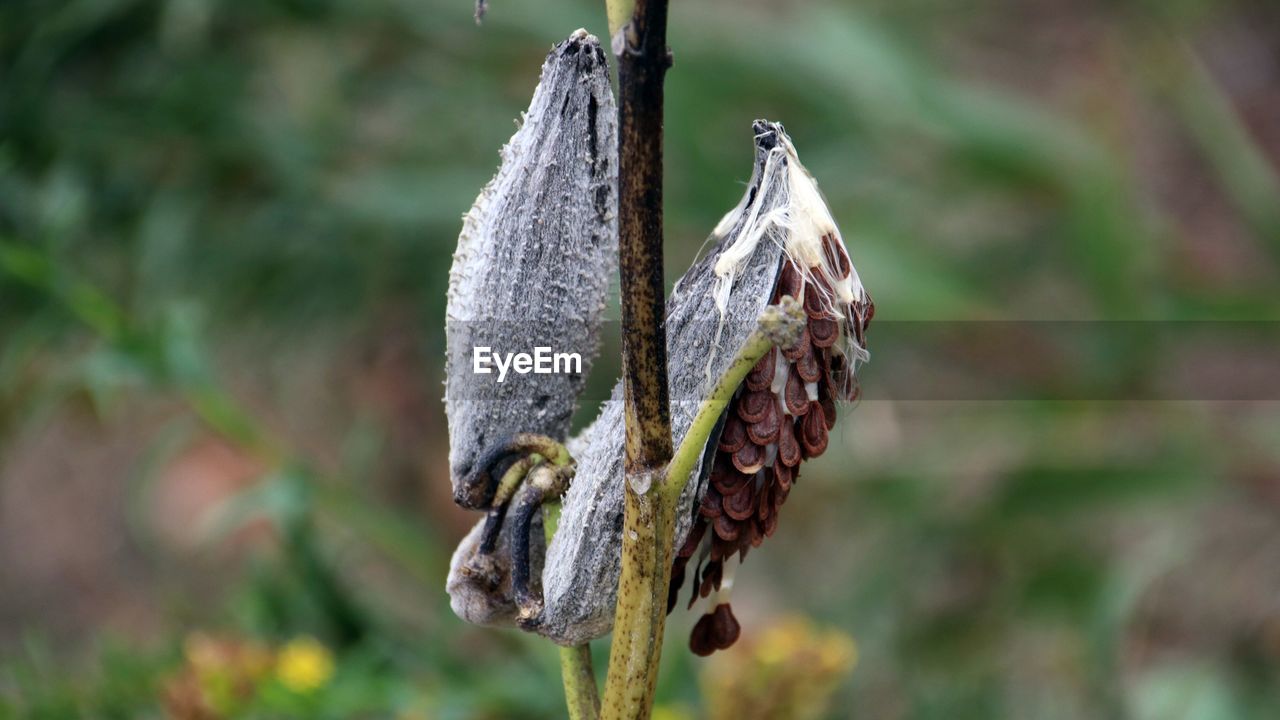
304,665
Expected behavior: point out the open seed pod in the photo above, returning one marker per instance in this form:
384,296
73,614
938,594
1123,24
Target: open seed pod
534,261
780,240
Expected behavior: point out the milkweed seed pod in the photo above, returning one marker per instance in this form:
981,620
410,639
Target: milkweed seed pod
780,240
533,265
532,269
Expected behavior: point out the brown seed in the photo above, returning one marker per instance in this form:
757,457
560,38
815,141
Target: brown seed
765,430
807,365
764,502
712,575
741,504
749,459
710,505
770,523
783,475
677,580
813,432
843,384
790,282
794,352
724,627
796,398
788,446
720,549
730,481
761,376
816,304
734,434
700,642
824,331
828,405
752,406
726,528
780,495
837,258
745,541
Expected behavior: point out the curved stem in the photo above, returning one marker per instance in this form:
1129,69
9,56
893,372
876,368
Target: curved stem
779,326
695,440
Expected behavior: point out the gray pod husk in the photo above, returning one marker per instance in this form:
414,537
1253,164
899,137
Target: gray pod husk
580,568
534,261
583,562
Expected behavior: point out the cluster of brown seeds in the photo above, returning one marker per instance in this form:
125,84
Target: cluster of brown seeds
780,416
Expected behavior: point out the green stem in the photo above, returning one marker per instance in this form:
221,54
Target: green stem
649,529
580,692
695,440
618,12
640,617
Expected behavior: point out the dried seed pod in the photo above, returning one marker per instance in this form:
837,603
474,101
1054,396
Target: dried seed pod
770,245
794,424
531,270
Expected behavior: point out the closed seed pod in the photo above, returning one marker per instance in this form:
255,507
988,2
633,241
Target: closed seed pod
534,261
532,268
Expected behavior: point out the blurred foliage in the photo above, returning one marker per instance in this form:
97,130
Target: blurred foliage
215,217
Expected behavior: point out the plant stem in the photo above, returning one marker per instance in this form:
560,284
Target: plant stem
640,616
619,12
580,693
695,440
641,68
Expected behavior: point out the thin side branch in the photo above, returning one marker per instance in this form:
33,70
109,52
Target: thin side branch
780,326
581,696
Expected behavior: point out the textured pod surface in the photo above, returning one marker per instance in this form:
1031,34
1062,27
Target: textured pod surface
534,261
708,320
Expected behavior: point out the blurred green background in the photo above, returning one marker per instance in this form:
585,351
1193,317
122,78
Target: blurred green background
225,232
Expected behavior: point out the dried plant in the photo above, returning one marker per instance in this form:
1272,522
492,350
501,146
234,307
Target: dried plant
726,388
